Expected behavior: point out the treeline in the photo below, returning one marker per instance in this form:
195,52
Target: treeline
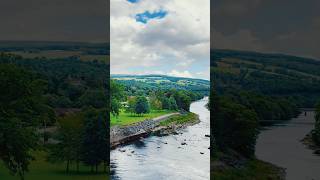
140,102
266,107
34,46
82,138
144,84
71,83
238,116
268,74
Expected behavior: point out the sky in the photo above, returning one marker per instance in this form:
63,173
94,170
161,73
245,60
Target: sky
170,37
285,26
54,20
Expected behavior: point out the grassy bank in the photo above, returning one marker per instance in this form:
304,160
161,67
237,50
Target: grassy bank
181,119
253,170
126,118
227,167
40,169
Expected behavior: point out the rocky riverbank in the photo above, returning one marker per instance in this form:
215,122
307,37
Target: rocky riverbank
124,134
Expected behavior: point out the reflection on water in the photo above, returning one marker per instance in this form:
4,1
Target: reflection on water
165,157
281,145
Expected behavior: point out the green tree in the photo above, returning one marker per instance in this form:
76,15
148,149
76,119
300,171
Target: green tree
131,105
94,98
94,149
183,100
155,103
172,104
117,95
142,105
165,103
235,127
22,109
69,140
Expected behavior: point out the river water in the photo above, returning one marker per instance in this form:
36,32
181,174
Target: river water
157,158
281,145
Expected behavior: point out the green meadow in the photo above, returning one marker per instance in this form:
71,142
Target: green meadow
126,118
40,169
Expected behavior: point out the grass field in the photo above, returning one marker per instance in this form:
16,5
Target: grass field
42,170
254,170
129,118
180,119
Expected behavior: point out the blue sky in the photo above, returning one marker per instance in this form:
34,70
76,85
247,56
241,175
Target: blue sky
146,16
133,1
170,37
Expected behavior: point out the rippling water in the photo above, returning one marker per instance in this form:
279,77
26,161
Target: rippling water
157,158
281,145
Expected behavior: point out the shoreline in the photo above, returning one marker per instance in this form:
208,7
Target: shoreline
126,134
309,143
235,166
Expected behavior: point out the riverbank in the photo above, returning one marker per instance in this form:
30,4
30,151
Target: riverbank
281,145
179,156
161,125
309,142
237,167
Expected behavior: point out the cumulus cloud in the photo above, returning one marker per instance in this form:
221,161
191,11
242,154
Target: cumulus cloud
180,74
178,41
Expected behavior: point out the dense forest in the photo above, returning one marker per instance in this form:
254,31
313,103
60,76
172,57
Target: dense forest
145,83
294,78
63,102
251,89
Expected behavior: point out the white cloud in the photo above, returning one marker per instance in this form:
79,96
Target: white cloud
179,41
180,74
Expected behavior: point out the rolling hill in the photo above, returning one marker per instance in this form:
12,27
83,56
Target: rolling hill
146,82
270,74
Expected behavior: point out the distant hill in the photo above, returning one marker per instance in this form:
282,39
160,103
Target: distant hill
8,46
270,74
164,82
57,50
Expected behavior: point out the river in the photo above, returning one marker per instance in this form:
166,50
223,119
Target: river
281,145
164,157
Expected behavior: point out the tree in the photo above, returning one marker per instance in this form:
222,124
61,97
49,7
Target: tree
172,104
69,141
94,149
235,127
21,110
94,98
183,100
142,105
117,95
131,106
165,103
155,103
